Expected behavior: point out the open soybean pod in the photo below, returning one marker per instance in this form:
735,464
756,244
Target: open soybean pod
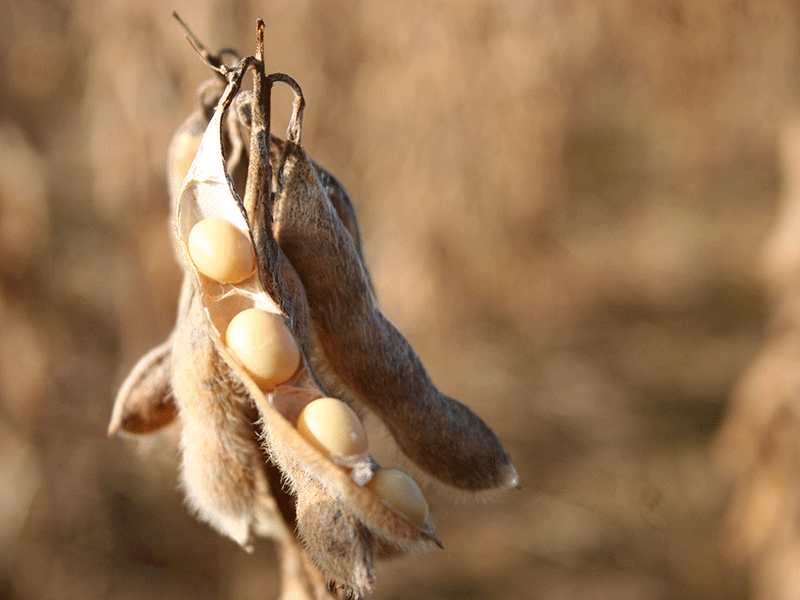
320,486
221,461
363,349
145,403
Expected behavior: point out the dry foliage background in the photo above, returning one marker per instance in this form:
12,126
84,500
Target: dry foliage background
564,206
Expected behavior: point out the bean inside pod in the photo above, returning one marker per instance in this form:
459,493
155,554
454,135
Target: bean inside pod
264,345
333,427
221,251
400,492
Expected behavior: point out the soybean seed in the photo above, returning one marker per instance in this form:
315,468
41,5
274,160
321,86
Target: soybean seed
221,251
333,427
264,345
401,492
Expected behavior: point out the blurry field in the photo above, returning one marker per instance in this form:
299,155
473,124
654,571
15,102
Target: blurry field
564,205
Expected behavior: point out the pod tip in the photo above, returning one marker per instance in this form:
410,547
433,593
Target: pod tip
509,478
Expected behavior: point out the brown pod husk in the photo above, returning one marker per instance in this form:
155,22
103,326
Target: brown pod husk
144,402
300,461
218,449
219,456
365,351
335,540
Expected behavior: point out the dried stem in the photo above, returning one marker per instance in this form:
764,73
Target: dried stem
212,60
299,104
258,191
259,174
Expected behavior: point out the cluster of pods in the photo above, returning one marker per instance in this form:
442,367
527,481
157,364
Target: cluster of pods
280,350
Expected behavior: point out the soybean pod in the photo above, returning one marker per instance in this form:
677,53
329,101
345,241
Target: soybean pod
365,351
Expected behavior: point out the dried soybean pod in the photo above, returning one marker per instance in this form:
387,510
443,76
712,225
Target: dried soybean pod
144,402
218,452
208,191
340,523
220,455
368,354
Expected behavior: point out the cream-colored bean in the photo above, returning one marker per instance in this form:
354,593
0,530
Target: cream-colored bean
264,345
401,492
333,427
221,251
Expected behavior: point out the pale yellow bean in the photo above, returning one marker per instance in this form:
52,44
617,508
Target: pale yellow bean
264,345
333,427
401,492
221,251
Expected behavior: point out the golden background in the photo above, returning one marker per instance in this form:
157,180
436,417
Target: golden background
563,203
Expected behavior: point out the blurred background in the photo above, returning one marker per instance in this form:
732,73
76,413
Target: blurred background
579,213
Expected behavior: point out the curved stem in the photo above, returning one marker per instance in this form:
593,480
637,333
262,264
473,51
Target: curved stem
296,122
